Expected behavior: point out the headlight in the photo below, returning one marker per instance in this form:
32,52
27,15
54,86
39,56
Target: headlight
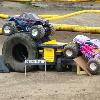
34,32
68,52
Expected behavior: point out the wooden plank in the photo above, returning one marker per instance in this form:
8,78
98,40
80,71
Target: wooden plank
79,71
0,31
83,64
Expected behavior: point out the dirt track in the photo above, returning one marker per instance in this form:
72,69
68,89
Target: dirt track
53,86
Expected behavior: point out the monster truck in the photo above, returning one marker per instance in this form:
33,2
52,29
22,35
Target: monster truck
90,48
18,47
28,22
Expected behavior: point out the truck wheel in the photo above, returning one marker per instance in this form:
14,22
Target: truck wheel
37,32
8,29
42,67
70,52
94,66
52,30
78,49
59,66
16,49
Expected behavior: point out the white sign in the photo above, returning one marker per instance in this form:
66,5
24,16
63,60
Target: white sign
35,62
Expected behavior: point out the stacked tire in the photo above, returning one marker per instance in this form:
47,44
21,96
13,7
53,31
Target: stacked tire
16,49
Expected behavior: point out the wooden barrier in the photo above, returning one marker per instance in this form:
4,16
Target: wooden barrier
81,64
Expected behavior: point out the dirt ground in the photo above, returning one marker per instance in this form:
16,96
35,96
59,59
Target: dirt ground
52,85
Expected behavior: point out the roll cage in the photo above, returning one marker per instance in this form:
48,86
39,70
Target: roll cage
30,16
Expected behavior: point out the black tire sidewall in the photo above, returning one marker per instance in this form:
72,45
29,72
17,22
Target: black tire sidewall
41,67
97,64
7,51
51,30
74,51
41,32
59,67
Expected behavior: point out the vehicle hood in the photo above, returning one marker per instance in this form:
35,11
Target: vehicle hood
95,42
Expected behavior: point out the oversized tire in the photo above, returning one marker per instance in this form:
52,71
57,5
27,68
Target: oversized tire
42,67
37,32
78,49
51,30
94,66
70,51
8,29
16,49
59,67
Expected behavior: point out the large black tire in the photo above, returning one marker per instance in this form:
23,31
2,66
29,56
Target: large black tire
37,32
70,51
59,67
16,48
94,66
8,29
51,30
78,49
42,67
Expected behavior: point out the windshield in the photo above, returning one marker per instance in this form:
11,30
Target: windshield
33,16
29,16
